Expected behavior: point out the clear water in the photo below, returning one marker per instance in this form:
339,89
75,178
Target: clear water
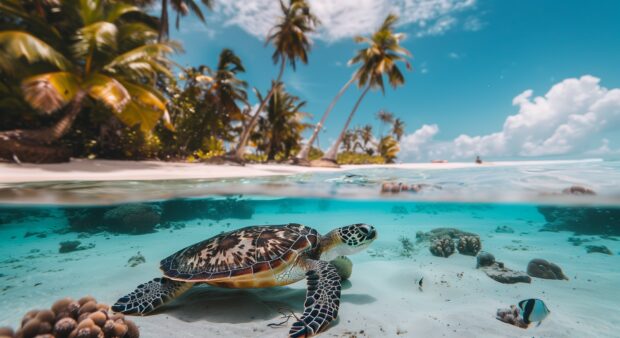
382,298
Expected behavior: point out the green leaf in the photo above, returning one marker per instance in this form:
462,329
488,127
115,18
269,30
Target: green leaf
18,45
145,108
51,91
108,90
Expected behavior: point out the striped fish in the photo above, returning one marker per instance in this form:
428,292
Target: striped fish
533,310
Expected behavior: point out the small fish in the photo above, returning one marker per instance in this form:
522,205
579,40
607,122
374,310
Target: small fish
533,310
420,283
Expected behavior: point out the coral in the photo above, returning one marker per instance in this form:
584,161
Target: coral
442,247
541,268
453,233
578,190
598,248
406,246
70,246
511,316
132,218
67,318
484,259
469,245
136,260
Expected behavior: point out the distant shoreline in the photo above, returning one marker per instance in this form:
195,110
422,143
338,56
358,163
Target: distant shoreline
112,170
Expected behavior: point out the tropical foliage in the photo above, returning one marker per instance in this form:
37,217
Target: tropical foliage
96,79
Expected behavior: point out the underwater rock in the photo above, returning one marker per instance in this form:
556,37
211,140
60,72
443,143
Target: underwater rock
498,272
136,260
484,259
132,218
582,220
504,229
452,233
67,318
598,248
469,245
397,187
442,247
541,268
578,190
87,220
70,246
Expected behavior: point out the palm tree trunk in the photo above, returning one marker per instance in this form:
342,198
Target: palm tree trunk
333,151
32,145
305,150
245,135
163,22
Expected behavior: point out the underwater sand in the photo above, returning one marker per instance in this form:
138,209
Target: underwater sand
382,298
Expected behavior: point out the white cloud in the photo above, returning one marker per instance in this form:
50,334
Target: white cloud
415,143
347,18
570,119
454,55
473,24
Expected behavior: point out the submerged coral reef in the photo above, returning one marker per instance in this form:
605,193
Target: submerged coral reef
67,318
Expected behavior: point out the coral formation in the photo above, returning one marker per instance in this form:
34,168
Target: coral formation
598,248
469,245
406,249
498,272
442,247
541,268
344,266
484,259
511,316
453,233
67,318
578,190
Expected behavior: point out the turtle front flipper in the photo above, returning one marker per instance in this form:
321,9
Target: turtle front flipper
322,299
149,296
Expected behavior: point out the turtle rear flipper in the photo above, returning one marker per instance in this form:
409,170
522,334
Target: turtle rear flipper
322,299
149,296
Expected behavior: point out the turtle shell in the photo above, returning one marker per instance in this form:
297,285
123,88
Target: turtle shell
240,253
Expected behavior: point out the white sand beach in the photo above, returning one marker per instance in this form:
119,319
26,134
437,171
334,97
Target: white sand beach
108,170
382,298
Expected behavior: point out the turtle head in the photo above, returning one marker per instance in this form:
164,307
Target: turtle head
347,240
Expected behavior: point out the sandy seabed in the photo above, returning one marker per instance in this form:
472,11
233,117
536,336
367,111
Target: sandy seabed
382,298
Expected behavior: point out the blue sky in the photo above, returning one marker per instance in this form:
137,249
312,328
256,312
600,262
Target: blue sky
472,58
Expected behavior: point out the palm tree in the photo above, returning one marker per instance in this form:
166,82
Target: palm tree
213,97
366,136
398,129
388,148
302,156
99,51
182,8
282,125
376,60
291,42
386,118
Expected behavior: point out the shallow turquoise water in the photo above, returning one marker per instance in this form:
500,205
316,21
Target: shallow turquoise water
382,295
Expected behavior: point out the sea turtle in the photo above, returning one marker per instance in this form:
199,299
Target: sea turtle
257,257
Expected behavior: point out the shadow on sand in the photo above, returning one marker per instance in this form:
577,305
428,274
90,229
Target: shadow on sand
234,306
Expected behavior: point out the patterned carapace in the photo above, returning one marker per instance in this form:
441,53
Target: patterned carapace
241,252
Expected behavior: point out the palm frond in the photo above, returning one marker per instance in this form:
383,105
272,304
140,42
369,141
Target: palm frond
108,91
50,91
18,45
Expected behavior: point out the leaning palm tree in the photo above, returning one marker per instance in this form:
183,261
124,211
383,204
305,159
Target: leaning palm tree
291,42
388,148
385,117
282,125
398,129
108,58
376,60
